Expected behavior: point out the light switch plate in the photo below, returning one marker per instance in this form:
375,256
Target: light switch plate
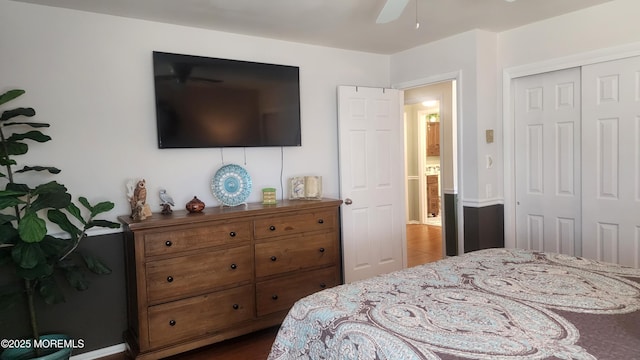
489,136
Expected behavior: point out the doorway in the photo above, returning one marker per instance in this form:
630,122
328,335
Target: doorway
426,109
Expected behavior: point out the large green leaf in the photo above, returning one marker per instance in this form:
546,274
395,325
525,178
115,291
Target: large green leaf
50,291
75,211
32,228
53,247
96,265
41,270
13,148
50,169
51,196
12,192
83,200
103,223
32,124
32,135
50,187
10,114
7,201
7,161
102,207
10,95
8,234
51,201
28,255
75,277
59,218
5,218
23,188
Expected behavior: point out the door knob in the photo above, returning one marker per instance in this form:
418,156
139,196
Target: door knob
348,201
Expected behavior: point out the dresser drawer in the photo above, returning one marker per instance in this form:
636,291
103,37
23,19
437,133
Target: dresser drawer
187,275
290,254
280,294
295,224
166,242
197,316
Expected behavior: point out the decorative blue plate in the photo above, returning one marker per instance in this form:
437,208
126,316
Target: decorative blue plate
231,185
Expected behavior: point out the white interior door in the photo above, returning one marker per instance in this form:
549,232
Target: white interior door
611,168
547,142
371,168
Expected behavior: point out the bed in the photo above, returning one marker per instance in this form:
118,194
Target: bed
488,304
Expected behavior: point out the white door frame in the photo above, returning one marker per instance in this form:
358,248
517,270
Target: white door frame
508,75
458,150
422,159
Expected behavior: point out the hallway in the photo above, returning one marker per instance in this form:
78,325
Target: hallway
424,244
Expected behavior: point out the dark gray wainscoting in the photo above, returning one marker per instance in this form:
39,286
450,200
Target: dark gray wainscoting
98,315
451,224
483,227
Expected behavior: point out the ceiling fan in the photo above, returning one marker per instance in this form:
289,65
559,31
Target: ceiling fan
392,10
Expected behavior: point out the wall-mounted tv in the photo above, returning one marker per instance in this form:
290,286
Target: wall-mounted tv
210,102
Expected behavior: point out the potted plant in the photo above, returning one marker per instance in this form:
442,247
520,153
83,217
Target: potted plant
37,258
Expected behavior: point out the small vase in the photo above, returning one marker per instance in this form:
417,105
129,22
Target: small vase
195,205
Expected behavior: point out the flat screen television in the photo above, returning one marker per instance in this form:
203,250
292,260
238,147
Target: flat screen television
209,102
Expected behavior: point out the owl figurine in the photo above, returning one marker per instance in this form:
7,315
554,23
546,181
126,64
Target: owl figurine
137,194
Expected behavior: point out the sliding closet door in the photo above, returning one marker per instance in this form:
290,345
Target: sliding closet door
611,167
547,153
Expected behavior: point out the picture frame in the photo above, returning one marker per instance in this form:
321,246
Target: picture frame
305,188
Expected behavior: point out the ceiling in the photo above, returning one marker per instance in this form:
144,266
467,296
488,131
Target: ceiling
347,24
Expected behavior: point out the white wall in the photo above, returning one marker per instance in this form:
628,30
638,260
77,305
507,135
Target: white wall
90,77
480,57
607,25
471,57
599,33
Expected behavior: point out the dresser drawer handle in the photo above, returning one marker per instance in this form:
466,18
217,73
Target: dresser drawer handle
273,258
323,285
168,243
234,266
272,228
236,306
274,297
320,221
232,234
169,278
172,322
321,250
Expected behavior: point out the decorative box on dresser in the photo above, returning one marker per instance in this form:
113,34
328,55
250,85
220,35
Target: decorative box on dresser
194,279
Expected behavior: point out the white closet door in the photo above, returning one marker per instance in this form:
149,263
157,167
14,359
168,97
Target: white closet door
547,146
611,167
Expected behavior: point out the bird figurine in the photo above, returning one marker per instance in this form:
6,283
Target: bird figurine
137,194
166,202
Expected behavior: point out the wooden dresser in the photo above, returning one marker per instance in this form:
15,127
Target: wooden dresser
197,279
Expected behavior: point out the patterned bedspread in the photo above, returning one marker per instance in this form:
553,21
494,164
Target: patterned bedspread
489,304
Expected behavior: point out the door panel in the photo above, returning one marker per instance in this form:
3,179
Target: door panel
611,170
372,177
547,142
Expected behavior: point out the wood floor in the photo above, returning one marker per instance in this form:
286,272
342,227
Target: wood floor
424,244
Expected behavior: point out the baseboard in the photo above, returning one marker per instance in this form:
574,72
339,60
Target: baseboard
100,353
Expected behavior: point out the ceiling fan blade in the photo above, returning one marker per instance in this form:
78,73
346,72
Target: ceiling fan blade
391,11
